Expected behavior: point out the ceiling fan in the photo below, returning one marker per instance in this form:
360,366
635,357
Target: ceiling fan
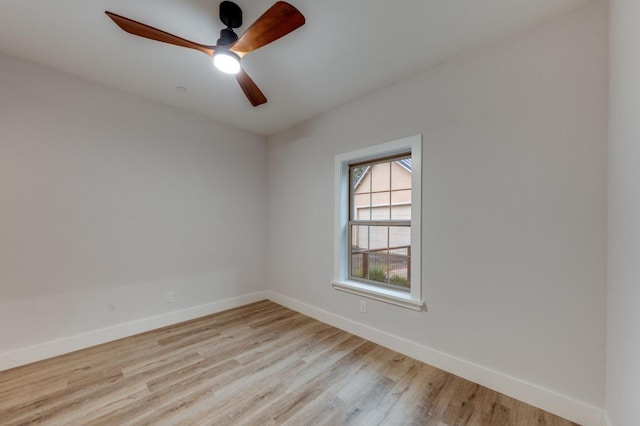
278,21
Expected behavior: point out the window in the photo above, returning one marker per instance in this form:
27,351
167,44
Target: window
379,227
377,250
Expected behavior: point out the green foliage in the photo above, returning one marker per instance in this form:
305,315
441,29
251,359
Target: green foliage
357,272
399,281
377,274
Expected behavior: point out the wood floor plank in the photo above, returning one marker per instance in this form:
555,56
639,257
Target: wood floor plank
259,364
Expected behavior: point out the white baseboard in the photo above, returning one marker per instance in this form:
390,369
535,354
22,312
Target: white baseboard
73,343
545,399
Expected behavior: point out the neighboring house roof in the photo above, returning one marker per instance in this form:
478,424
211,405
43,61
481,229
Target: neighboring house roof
405,163
361,177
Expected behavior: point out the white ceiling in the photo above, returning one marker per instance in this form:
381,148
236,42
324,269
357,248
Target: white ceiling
346,49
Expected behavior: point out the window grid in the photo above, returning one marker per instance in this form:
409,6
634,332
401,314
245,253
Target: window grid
382,264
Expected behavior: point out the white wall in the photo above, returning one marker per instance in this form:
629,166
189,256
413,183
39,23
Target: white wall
514,214
623,293
108,200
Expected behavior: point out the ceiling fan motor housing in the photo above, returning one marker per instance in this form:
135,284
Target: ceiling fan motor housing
227,36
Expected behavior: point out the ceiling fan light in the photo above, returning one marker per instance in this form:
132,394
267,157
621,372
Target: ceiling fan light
227,62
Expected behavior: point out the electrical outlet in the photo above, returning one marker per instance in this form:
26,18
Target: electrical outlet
171,297
363,306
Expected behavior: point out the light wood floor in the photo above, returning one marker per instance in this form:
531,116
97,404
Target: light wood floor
260,364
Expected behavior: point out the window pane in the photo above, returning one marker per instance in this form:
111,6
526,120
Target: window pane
381,177
381,212
357,265
381,253
361,207
359,251
378,262
399,255
378,237
358,178
401,212
401,174
378,266
359,238
401,197
399,236
380,198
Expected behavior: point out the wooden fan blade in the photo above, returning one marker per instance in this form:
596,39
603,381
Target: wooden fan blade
146,31
250,89
278,21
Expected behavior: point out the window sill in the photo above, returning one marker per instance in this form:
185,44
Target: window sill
387,295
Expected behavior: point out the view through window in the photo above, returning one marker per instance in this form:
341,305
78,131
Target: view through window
380,222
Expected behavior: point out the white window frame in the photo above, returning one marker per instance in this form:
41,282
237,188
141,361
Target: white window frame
408,299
